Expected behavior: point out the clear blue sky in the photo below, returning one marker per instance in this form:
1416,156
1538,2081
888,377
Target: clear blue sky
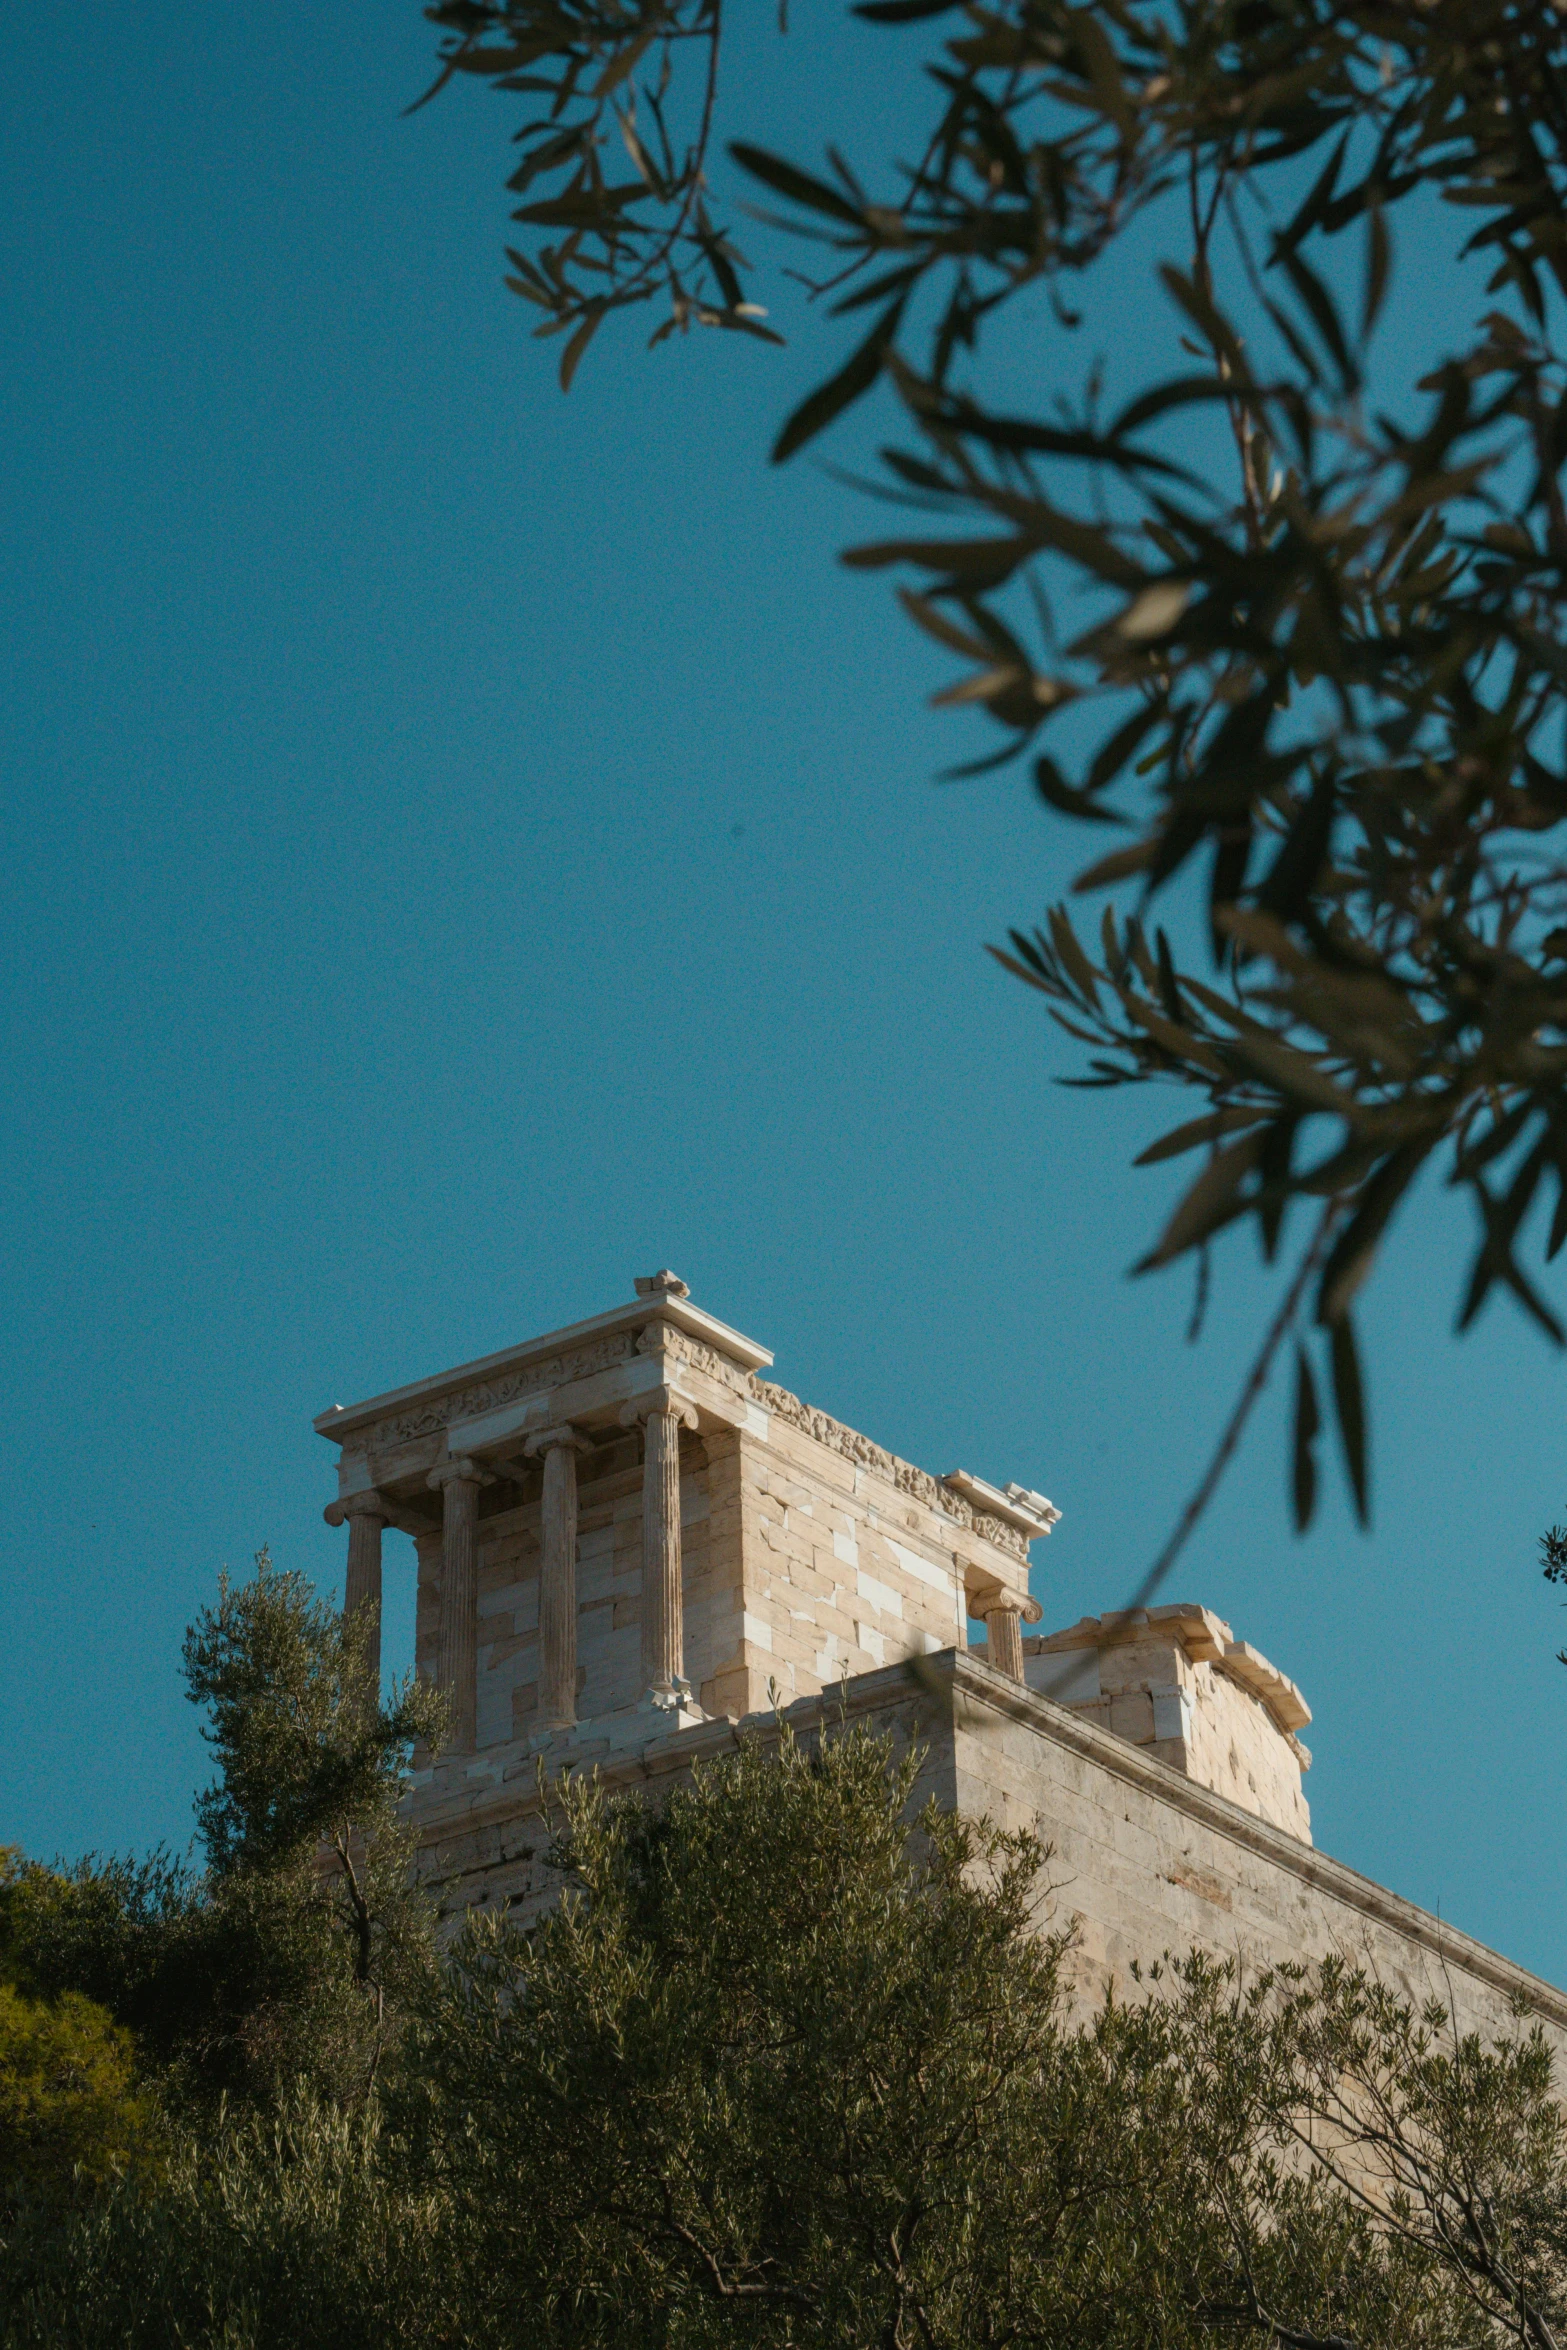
464,848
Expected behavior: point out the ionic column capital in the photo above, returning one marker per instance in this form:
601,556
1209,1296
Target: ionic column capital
563,1438
361,1505
462,1470
1004,1613
659,1403
987,1599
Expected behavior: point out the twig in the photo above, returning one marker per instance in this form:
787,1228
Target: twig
1256,1381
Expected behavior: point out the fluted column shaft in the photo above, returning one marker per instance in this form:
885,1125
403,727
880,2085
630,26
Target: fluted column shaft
362,1589
663,1414
1004,1625
663,1599
557,1701
458,1652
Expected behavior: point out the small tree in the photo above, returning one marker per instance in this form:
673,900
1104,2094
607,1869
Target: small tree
765,2068
72,2115
1445,2149
297,1950
309,1866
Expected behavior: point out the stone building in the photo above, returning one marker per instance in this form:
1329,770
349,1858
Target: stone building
629,1542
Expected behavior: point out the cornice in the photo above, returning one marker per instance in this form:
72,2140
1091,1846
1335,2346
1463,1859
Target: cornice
938,1494
427,1405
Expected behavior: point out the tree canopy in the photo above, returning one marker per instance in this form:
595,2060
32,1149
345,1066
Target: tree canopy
294,1955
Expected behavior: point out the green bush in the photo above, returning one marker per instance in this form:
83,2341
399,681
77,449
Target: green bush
71,2115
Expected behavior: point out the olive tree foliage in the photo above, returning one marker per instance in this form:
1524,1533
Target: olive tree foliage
1317,707
297,1951
1451,2147
1553,1565
788,2067
302,1821
285,2227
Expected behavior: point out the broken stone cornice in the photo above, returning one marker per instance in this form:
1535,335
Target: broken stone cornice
1014,1505
996,1520
1207,1639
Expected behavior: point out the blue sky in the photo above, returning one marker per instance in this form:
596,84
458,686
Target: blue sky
465,847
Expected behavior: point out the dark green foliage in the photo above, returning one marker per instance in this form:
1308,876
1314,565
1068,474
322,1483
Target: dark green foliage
256,2233
295,1952
305,1850
1316,671
607,242
303,1746
125,1934
1553,1564
768,2070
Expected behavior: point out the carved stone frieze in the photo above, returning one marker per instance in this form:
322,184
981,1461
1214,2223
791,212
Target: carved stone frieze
664,1341
919,1484
488,1395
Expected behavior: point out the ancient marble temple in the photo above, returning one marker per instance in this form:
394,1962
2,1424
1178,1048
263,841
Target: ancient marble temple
630,1542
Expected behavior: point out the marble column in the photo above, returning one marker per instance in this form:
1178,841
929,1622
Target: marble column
663,1415
1004,1625
458,1482
557,1701
366,1514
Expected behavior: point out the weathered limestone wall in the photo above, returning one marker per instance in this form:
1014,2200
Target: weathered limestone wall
844,1572
1230,1742
1145,1860
845,1558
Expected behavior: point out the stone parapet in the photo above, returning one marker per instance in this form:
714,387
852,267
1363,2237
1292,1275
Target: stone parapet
1176,1680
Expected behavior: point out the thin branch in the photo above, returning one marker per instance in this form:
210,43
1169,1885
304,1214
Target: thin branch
1256,1380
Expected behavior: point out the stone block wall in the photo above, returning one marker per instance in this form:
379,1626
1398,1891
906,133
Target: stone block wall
1144,1859
843,1572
